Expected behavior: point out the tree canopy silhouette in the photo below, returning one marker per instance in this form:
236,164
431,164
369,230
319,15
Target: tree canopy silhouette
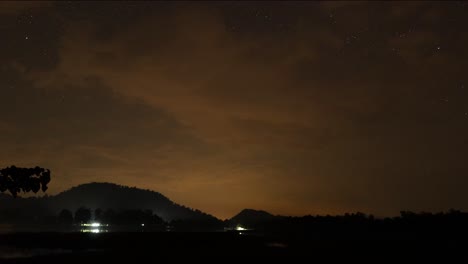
83,215
17,180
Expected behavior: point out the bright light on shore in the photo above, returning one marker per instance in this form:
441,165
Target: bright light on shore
93,227
92,224
240,228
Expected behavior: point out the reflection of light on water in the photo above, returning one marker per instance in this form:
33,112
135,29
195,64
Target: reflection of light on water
14,253
96,230
277,245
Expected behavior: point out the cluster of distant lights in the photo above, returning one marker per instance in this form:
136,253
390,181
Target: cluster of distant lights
95,227
93,224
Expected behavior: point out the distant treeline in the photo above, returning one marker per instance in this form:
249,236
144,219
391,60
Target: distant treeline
137,218
451,222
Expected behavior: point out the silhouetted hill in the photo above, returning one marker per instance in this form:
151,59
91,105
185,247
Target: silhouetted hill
104,196
250,217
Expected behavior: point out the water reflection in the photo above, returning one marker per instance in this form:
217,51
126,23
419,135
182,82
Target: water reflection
14,253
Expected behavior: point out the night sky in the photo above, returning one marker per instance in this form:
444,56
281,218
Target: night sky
294,108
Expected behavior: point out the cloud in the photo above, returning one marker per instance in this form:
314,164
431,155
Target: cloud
87,128
184,70
178,102
16,7
231,93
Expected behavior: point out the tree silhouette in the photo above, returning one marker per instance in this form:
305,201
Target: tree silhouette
82,215
65,217
16,179
98,214
109,216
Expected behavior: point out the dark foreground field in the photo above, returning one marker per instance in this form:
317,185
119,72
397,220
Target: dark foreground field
222,246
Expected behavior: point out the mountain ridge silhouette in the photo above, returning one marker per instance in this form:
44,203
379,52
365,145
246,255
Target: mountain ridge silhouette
106,195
